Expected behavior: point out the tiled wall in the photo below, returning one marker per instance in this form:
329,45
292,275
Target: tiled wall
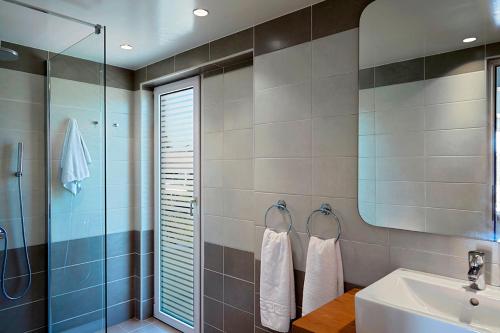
304,150
443,134
77,223
228,204
424,139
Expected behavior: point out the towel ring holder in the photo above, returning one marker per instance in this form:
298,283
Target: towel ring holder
281,206
326,210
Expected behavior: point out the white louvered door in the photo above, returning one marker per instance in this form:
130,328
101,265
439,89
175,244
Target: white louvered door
177,223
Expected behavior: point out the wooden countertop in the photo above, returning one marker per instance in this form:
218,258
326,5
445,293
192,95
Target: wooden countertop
335,317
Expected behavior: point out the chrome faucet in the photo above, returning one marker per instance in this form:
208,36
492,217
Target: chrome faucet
476,270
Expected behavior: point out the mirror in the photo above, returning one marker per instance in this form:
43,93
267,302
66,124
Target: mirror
427,115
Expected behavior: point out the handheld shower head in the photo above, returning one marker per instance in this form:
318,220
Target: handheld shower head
20,152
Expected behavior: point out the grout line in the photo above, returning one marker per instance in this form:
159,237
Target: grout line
24,304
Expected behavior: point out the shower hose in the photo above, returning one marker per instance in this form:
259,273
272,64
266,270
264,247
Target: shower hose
5,248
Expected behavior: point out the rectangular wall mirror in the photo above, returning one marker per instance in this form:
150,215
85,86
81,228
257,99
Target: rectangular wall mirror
428,110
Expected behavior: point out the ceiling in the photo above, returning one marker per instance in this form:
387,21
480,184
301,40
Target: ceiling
396,30
155,28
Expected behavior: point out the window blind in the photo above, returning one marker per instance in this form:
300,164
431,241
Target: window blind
176,195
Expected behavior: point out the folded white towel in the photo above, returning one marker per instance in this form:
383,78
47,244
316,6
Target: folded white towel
75,159
324,280
277,288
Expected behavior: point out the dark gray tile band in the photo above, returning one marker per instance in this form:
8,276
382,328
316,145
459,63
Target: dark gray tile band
424,68
120,312
192,58
239,294
213,312
16,265
333,16
232,44
239,264
213,284
72,278
86,323
33,61
237,321
213,255
282,32
366,78
160,68
24,318
120,291
37,291
146,310
77,303
30,60
456,62
399,72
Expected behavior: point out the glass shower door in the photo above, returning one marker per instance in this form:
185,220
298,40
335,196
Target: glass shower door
75,122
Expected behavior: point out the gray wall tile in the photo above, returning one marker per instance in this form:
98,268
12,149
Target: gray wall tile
232,44
334,16
239,294
283,32
236,321
239,263
192,58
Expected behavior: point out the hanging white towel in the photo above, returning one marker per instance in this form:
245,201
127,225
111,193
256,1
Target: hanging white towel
75,159
277,289
324,280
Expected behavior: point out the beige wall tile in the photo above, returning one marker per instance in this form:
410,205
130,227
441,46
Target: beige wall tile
457,142
335,95
283,103
343,47
289,139
238,174
335,177
458,196
285,175
335,136
286,66
238,144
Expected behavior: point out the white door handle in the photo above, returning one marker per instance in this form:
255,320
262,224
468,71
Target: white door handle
192,203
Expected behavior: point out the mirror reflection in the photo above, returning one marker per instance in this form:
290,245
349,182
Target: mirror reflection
427,115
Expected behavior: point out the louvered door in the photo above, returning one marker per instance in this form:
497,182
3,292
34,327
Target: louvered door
177,273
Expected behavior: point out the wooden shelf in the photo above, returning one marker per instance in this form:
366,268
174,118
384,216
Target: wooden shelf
338,316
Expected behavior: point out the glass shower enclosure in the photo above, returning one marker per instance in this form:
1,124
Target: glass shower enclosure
53,109
76,210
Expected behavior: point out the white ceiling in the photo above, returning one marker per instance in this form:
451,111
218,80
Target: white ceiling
156,28
396,30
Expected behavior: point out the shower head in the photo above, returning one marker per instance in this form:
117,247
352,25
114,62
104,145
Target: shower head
7,54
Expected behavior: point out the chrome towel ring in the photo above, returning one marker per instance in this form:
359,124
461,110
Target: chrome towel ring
281,205
326,210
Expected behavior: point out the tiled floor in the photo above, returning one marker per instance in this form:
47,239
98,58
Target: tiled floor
150,325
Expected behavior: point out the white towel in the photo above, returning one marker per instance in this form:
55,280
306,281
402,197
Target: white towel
324,280
75,159
277,289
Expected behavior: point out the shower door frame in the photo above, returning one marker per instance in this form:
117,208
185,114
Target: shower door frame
48,173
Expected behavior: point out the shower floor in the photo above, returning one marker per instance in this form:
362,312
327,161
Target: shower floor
150,325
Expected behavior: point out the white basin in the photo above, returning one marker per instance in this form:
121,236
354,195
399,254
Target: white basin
407,301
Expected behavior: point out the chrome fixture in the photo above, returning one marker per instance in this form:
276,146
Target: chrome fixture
326,210
7,54
4,235
476,270
281,205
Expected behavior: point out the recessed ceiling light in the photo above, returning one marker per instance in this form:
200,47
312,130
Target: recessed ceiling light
126,46
200,12
469,39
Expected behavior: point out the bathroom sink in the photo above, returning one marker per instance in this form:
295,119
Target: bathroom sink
407,301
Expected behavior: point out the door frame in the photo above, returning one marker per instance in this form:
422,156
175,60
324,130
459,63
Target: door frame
193,82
